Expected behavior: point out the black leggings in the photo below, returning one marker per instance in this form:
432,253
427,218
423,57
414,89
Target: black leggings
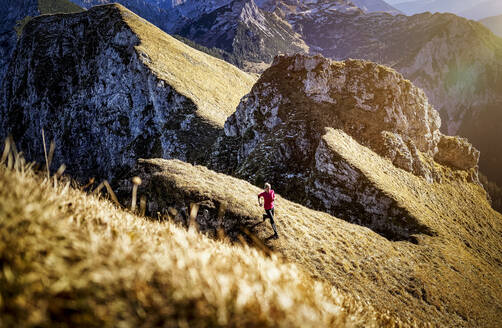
270,215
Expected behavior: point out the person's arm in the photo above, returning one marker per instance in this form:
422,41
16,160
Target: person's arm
259,198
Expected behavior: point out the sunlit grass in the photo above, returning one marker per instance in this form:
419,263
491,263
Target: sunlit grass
73,259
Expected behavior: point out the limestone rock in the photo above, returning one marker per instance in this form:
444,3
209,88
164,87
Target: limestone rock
279,130
457,153
108,88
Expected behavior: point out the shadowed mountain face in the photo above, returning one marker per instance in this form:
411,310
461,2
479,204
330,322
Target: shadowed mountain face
15,14
108,87
246,31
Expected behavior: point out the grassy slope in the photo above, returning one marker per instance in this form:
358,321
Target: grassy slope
72,259
213,84
451,279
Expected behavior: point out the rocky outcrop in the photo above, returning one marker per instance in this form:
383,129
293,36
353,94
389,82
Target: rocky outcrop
109,88
278,133
457,153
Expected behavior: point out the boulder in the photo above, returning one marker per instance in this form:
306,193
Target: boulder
457,153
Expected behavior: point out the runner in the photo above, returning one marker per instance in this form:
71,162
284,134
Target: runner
269,197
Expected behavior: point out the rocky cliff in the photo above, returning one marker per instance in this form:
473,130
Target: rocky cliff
278,133
108,88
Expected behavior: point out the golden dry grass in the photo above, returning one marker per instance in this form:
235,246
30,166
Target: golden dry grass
449,279
70,259
214,85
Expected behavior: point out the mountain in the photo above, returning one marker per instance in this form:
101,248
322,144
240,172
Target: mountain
494,23
15,14
375,6
357,140
109,87
407,227
280,129
82,261
456,62
482,10
244,30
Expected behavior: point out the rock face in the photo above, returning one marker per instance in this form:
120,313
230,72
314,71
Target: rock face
109,88
15,11
244,30
278,133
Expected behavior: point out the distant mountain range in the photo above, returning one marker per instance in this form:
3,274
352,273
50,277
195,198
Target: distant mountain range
472,9
455,61
494,23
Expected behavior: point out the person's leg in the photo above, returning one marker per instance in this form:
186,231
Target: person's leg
270,213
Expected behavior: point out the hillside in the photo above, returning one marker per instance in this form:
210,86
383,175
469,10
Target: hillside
16,13
120,90
494,23
449,279
71,259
